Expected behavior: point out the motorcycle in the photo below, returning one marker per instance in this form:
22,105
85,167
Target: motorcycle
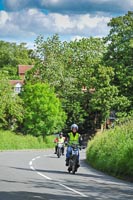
60,147
73,160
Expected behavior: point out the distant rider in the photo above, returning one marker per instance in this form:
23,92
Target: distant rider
73,138
61,140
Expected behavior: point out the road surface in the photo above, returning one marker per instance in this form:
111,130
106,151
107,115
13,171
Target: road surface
40,175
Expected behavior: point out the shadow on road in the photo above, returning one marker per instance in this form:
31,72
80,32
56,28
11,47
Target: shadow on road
96,185
92,173
51,190
36,196
59,172
92,188
24,195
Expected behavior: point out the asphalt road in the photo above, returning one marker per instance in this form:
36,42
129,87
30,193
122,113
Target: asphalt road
36,175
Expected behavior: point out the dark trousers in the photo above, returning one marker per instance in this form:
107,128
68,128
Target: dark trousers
61,149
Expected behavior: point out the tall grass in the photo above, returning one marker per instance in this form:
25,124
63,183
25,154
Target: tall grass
112,151
12,141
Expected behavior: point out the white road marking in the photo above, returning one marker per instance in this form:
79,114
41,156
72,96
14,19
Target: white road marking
75,191
30,163
44,176
48,178
37,157
32,168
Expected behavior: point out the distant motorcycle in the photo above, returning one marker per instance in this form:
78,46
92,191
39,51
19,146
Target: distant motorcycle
60,149
73,160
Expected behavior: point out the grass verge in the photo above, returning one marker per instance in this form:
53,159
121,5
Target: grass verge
12,141
112,151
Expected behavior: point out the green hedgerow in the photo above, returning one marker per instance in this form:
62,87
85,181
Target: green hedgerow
112,151
13,141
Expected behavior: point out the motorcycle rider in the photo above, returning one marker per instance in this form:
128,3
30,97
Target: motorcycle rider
59,139
73,137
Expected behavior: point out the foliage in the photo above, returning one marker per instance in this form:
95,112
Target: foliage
102,65
112,151
12,141
44,114
68,67
119,54
11,110
11,55
107,94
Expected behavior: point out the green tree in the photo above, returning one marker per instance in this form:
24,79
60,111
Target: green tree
44,114
119,54
67,66
11,110
106,96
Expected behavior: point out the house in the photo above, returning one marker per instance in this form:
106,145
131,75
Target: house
17,84
22,69
91,90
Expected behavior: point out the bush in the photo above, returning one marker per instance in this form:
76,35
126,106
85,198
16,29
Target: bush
12,141
112,151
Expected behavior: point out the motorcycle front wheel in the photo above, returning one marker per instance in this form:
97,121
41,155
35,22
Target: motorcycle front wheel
74,166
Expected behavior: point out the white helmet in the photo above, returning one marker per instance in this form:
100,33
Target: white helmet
74,126
60,133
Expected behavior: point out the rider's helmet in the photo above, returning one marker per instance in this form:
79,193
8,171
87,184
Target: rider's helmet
74,126
60,134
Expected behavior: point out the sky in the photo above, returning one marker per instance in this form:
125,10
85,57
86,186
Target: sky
24,20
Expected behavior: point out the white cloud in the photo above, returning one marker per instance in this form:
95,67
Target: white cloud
3,17
32,22
91,22
77,37
24,20
62,22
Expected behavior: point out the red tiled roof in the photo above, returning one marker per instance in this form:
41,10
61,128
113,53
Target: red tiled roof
14,82
24,68
92,90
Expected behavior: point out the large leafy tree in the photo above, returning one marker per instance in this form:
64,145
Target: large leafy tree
82,58
68,66
106,96
44,114
11,109
120,54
